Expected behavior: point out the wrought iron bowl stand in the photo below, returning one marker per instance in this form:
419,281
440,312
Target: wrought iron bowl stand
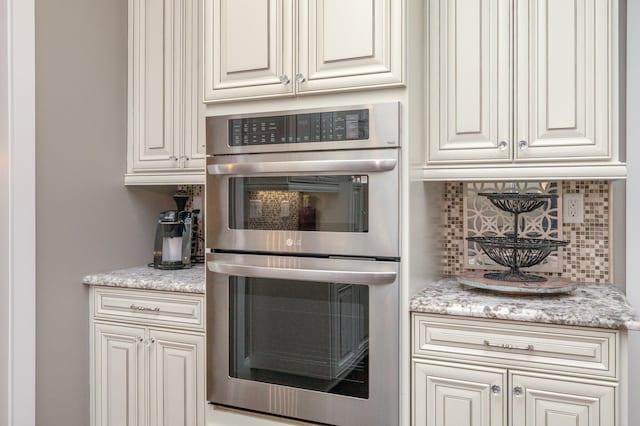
512,251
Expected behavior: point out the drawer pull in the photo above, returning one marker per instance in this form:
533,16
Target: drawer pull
144,308
508,346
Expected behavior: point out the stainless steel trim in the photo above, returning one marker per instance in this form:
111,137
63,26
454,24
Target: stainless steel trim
382,406
384,131
318,166
364,274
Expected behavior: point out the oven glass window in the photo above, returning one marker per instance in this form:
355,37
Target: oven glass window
300,203
310,335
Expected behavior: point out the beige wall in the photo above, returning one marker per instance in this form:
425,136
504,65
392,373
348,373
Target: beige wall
4,245
87,221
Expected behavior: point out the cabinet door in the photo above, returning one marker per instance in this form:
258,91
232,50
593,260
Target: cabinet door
539,401
564,79
349,44
119,375
162,72
470,88
248,47
177,374
458,395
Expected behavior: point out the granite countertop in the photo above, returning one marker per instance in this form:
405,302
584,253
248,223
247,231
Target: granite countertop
145,277
590,305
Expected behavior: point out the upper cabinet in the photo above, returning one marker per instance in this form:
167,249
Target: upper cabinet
166,141
248,48
268,48
470,81
523,89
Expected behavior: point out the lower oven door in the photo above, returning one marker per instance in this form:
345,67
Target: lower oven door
306,338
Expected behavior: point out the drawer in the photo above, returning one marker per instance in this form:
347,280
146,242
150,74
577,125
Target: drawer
177,310
568,349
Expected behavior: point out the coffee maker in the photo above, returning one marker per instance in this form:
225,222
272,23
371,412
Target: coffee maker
174,233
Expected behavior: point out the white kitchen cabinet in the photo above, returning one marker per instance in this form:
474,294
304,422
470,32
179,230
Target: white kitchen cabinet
470,81
344,45
248,49
565,79
256,48
474,372
143,374
166,141
524,89
456,395
119,375
542,401
177,394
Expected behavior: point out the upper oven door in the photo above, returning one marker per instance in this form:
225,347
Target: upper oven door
320,129
338,203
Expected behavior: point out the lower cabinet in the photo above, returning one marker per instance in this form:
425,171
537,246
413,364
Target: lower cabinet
558,401
507,384
144,375
457,395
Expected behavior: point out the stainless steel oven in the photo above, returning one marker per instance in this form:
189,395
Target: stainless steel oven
337,202
302,283
307,338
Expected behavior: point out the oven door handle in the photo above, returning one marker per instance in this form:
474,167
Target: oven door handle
372,277
314,166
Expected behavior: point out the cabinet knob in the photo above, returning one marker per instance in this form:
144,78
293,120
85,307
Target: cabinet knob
174,158
503,145
284,79
495,389
139,339
300,78
517,391
523,145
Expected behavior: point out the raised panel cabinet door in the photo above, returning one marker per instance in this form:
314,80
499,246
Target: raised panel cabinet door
469,89
349,44
458,395
543,401
565,79
193,138
248,49
163,36
119,375
176,377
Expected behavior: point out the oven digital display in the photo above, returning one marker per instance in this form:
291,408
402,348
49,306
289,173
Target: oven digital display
300,128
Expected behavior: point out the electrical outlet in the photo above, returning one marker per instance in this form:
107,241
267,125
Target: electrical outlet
573,208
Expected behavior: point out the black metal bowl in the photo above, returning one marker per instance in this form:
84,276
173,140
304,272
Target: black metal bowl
516,202
519,253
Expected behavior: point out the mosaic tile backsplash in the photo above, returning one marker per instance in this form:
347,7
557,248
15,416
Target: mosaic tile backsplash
196,191
586,258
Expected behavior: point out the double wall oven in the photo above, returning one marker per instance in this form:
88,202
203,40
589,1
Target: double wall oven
303,263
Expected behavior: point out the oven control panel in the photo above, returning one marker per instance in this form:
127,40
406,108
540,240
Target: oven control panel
300,128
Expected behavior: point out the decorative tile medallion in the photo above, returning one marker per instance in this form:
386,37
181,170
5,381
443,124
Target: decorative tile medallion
482,218
587,258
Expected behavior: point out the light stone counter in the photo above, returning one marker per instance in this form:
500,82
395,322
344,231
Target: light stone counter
590,305
145,277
